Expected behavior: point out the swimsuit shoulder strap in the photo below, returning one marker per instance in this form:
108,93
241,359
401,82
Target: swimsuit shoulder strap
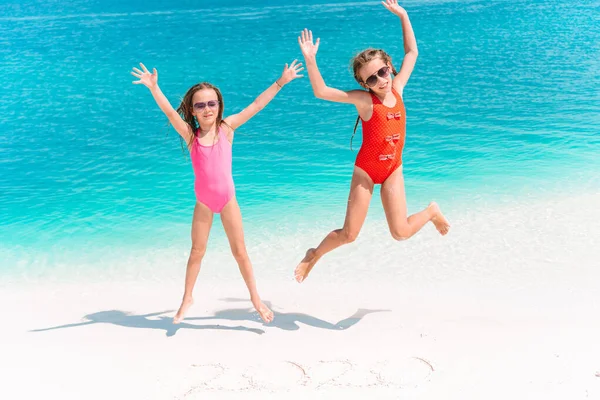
374,98
397,95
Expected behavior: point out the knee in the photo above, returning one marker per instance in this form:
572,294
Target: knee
401,232
239,253
198,251
349,236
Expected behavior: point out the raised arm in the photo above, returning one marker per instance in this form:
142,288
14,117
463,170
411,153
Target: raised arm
410,45
150,80
289,74
320,88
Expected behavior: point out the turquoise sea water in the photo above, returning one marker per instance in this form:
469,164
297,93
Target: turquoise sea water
504,105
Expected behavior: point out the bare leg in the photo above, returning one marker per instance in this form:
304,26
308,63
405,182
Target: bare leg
201,223
361,191
231,217
393,198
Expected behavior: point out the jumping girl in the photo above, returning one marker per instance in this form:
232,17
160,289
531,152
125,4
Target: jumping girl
381,110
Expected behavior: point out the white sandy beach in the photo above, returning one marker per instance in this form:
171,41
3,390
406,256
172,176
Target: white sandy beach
505,307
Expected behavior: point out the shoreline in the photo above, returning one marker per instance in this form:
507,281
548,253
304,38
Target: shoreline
505,307
528,230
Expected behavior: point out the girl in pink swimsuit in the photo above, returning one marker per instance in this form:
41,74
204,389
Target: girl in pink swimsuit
200,123
380,106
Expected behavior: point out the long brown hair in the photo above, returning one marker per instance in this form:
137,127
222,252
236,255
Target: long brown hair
359,61
186,109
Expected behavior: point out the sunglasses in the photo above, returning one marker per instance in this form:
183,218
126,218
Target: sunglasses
202,105
382,73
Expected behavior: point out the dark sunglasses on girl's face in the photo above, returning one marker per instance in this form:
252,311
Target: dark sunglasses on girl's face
382,73
200,106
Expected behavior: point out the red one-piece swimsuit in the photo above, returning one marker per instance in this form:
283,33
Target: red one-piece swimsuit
383,140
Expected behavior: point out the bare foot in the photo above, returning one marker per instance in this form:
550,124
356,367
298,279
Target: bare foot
303,269
440,222
185,305
265,313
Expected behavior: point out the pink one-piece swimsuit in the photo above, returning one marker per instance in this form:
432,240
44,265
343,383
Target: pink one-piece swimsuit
212,168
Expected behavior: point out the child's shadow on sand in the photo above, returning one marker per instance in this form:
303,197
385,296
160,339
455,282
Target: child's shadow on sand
127,320
285,321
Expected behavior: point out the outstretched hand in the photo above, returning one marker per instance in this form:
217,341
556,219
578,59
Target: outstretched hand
146,78
394,7
308,48
290,73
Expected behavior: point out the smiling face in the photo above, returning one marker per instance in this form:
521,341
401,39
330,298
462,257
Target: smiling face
376,75
373,70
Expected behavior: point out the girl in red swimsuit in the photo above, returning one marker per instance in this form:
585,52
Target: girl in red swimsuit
379,161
